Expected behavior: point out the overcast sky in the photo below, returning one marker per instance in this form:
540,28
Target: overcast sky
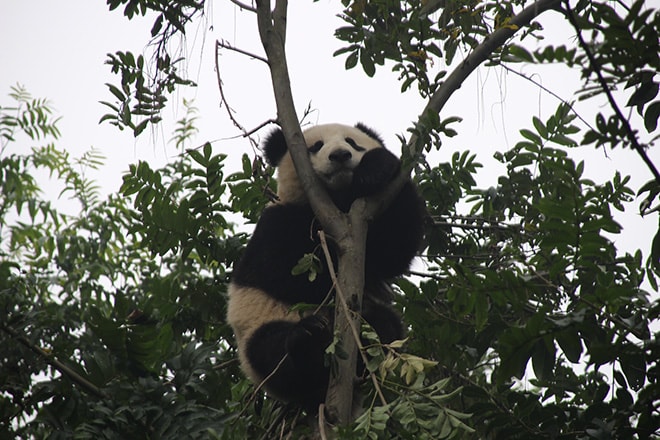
57,50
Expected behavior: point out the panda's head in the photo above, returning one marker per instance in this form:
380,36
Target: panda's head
335,150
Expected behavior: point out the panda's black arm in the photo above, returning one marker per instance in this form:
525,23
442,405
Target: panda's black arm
395,236
283,235
376,169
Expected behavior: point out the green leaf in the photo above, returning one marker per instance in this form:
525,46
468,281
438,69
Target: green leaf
651,116
634,367
644,93
570,343
115,91
367,63
540,127
543,359
515,351
351,60
531,136
521,53
655,252
198,157
309,264
562,139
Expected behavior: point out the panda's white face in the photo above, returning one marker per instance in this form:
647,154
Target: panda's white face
335,150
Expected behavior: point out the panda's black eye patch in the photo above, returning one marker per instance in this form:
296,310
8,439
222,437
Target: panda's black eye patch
316,147
354,144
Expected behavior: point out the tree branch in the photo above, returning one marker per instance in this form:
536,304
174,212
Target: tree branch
228,46
549,92
351,320
481,54
59,366
454,82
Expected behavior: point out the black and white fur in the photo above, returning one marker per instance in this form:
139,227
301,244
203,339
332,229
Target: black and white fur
277,343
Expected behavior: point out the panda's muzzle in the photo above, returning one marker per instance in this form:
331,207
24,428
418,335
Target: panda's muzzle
340,156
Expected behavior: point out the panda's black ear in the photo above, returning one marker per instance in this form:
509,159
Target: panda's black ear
275,147
369,132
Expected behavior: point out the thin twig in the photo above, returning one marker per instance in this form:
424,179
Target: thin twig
223,98
480,227
259,127
321,421
244,6
228,46
263,382
549,92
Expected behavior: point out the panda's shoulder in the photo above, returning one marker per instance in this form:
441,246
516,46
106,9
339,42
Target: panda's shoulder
284,217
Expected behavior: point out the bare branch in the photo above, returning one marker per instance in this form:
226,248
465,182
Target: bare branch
322,422
348,233
248,133
244,6
349,292
223,99
352,322
228,46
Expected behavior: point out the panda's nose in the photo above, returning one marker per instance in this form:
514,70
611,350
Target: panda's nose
340,156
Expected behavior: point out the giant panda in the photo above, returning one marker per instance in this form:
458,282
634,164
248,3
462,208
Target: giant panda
284,347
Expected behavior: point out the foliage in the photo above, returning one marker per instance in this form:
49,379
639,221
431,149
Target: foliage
527,321
124,293
145,86
541,281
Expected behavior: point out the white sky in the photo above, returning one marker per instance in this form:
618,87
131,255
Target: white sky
57,50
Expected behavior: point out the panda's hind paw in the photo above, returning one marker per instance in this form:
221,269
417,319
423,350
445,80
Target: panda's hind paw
312,333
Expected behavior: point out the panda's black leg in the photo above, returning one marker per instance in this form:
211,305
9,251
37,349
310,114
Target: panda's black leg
290,356
384,320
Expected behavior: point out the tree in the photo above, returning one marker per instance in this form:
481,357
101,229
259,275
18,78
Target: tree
112,320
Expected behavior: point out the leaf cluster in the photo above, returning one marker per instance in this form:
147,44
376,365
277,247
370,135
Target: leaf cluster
139,96
143,90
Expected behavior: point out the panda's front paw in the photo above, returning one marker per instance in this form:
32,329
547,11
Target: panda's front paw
376,169
310,336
